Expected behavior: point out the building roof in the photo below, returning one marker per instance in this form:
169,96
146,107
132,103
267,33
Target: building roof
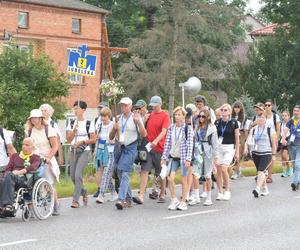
268,30
66,4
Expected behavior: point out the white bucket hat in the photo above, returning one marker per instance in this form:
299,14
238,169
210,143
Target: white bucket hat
35,113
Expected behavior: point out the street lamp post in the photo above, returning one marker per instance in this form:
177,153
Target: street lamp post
193,84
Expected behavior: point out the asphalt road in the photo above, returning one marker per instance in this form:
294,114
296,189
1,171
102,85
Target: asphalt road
271,222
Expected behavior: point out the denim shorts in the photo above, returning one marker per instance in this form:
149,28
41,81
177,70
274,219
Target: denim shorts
175,164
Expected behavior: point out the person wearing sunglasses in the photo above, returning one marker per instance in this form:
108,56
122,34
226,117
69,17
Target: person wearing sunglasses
228,148
262,139
273,121
206,144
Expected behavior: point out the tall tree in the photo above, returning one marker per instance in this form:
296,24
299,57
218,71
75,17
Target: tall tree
26,82
189,37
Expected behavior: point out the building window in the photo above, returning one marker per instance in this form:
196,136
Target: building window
76,25
23,20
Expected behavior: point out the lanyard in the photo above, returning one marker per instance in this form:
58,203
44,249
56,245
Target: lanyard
123,125
177,136
223,129
258,136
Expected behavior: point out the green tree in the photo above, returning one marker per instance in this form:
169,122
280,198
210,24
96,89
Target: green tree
26,82
273,69
188,38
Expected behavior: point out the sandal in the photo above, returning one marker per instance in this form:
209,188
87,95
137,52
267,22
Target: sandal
137,200
75,204
85,198
269,180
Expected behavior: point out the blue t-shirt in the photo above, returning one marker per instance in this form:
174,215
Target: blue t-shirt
294,131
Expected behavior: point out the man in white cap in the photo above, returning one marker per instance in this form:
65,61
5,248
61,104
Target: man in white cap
156,126
126,131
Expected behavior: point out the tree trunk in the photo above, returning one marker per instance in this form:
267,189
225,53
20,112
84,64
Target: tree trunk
172,79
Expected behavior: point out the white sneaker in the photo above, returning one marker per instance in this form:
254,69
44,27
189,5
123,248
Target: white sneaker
265,192
203,195
219,197
226,196
182,206
234,177
207,203
174,204
194,200
100,199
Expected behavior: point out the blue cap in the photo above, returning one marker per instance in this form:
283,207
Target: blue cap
155,100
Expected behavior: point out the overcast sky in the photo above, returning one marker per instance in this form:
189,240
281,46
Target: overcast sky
254,5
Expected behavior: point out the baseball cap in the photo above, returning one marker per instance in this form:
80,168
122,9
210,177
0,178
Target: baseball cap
155,100
126,100
140,103
102,105
260,106
297,106
35,113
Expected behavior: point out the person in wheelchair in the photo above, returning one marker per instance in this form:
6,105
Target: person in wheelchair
14,176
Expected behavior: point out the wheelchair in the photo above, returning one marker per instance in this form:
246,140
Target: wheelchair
35,198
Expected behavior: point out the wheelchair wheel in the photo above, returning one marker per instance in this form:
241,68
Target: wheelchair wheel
26,214
42,199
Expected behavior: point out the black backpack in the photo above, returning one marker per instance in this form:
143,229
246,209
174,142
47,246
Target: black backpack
87,126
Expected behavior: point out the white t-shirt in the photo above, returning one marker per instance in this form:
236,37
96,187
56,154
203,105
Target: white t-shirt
129,130
56,128
41,142
3,154
270,121
262,139
81,134
105,130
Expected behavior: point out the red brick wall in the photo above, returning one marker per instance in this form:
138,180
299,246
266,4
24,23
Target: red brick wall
52,28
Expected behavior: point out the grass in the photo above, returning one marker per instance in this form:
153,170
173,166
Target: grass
65,187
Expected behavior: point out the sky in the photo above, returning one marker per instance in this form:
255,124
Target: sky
254,5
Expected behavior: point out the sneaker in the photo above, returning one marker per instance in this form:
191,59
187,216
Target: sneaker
194,200
161,200
284,174
207,203
174,204
153,195
113,196
97,193
226,196
100,199
203,195
255,192
119,205
265,192
289,171
219,197
294,186
182,206
234,177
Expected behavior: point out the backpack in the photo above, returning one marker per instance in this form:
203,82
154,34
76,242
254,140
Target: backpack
269,134
46,132
2,136
87,126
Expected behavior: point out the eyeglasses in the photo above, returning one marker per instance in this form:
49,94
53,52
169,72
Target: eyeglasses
202,116
268,105
224,110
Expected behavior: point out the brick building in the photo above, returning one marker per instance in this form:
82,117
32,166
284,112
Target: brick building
53,27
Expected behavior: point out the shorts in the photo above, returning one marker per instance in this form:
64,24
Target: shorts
225,154
262,162
153,161
175,164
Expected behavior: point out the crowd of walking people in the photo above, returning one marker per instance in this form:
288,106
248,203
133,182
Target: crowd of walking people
202,144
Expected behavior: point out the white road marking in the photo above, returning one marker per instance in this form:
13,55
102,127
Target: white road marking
17,242
297,197
190,214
